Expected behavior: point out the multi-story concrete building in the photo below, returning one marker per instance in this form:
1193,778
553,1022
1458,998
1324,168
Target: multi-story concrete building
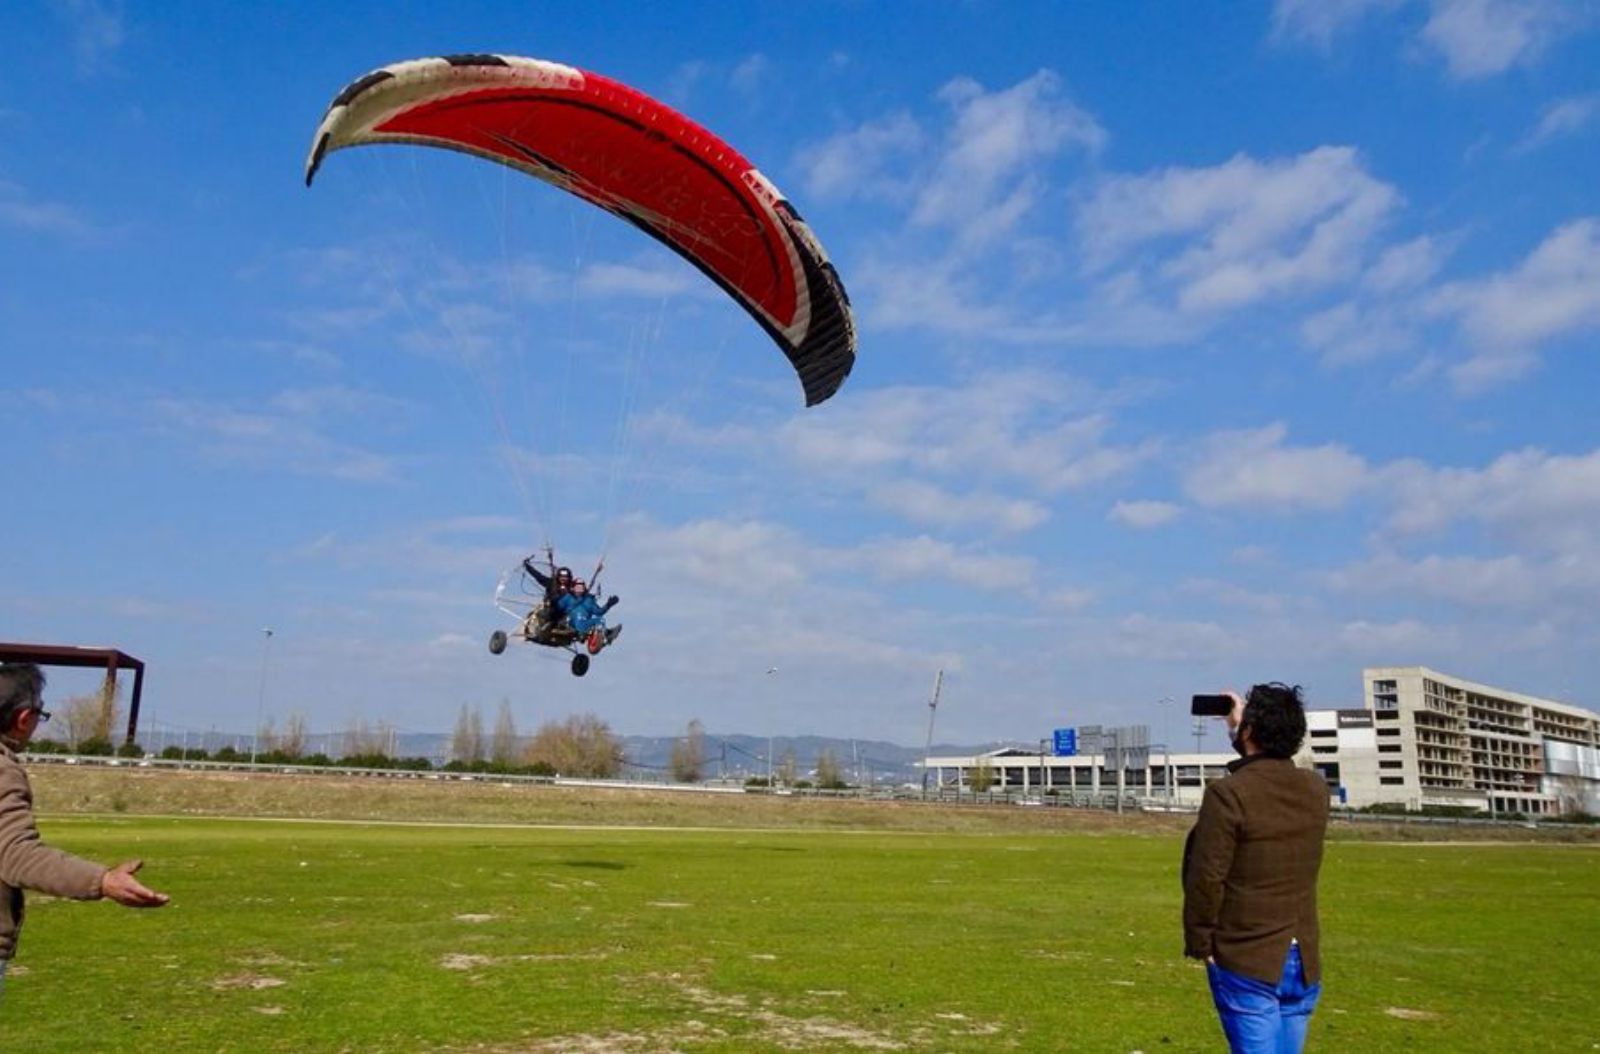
1426,738
1421,739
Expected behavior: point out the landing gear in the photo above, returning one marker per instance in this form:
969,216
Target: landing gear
497,642
580,664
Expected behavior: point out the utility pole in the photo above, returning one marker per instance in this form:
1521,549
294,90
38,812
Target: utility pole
1165,702
933,710
770,785
261,696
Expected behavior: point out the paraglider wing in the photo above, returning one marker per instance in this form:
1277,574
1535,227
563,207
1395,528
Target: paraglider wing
625,152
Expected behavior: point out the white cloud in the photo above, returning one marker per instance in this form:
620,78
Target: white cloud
986,178
1067,599
1507,317
1562,118
923,558
1217,593
1227,236
1406,266
873,160
925,503
1476,38
1018,426
663,279
1511,582
21,210
1479,38
1382,642
1550,500
750,73
1254,468
1318,21
1148,638
97,31
1144,515
289,432
1357,331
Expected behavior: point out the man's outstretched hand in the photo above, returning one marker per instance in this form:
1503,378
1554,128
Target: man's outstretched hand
118,884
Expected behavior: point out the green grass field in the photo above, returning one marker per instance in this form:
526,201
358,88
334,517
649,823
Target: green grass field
349,937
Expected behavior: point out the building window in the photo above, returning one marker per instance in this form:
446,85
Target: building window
1392,781
1388,748
1387,715
1388,731
1324,733
1391,764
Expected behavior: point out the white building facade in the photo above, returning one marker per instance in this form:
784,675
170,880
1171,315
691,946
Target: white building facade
1422,739
1426,738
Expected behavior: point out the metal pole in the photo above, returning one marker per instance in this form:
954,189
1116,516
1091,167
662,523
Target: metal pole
933,710
1165,703
261,696
771,786
1120,763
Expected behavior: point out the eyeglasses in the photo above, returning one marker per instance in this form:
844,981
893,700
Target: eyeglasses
44,715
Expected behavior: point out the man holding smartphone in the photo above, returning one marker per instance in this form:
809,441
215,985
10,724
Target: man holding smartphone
1250,877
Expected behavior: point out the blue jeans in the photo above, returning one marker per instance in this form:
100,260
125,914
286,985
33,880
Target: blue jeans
1259,1018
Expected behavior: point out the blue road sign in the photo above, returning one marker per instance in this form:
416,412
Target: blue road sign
1066,740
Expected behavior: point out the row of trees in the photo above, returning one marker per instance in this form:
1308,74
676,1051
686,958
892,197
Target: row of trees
689,759
581,745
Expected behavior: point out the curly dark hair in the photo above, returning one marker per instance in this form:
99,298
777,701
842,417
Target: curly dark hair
21,685
1275,716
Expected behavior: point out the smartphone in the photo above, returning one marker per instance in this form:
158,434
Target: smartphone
1211,705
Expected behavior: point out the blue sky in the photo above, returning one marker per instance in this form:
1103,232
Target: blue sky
1200,345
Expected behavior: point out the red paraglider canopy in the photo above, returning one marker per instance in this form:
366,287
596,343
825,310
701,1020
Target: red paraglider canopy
627,153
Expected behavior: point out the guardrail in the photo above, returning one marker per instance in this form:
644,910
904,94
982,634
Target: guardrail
937,795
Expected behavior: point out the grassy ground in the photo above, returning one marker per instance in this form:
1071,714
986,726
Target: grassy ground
1006,937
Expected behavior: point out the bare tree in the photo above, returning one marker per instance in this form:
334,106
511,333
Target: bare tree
788,769
582,745
293,741
266,737
829,775
90,718
466,743
503,749
364,740
689,754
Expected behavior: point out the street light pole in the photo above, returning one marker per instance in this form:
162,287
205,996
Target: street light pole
1165,702
261,696
771,787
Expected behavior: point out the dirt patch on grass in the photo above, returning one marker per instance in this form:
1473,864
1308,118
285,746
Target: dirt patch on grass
254,982
1405,1014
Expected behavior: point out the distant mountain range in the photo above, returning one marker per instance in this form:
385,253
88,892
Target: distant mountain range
733,756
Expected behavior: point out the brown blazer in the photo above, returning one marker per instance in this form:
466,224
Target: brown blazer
26,862
1250,869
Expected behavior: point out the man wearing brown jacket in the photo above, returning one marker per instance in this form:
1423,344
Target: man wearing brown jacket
1250,879
25,861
